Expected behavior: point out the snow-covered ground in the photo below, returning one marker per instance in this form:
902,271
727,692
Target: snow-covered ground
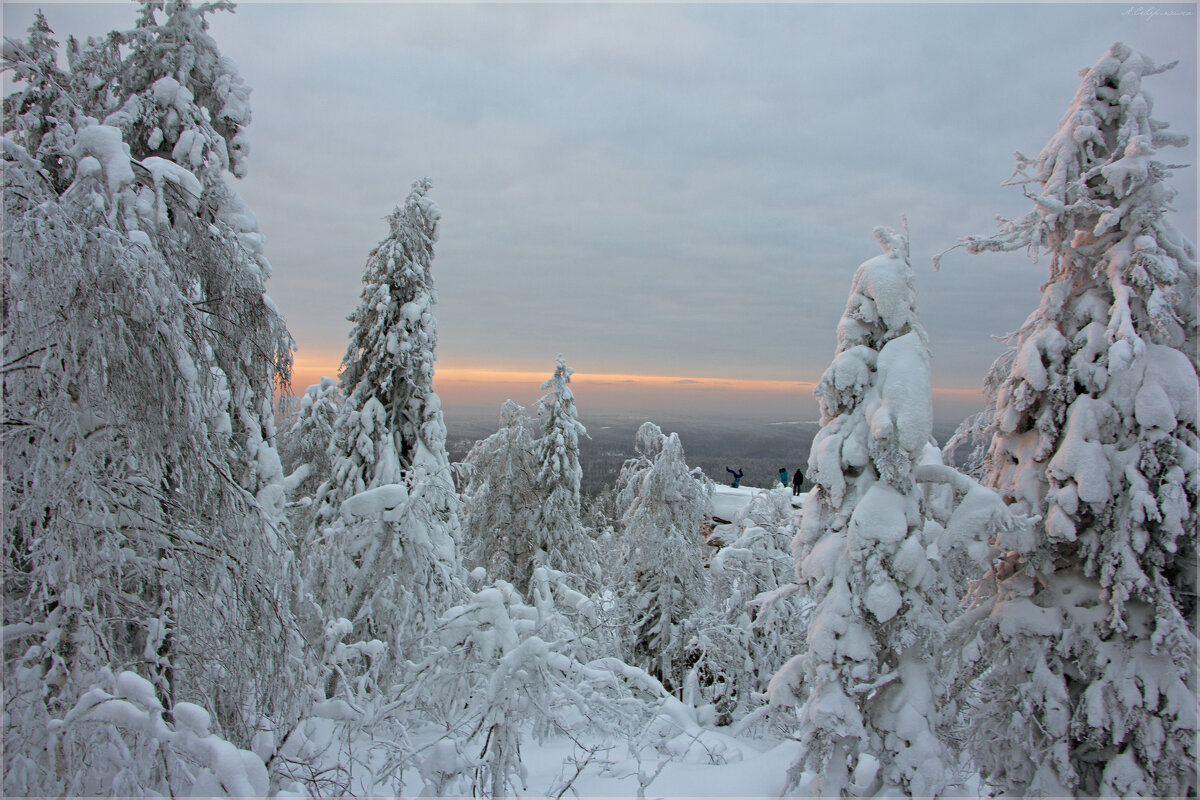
744,769
705,763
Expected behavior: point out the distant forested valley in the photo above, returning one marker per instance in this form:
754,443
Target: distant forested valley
758,447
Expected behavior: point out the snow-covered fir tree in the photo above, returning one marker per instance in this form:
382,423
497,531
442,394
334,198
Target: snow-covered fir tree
1088,650
666,505
306,435
387,526
866,685
561,541
499,502
304,445
521,505
304,448
42,111
180,99
143,493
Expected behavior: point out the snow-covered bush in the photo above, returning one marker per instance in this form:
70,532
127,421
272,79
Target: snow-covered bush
119,739
756,618
505,671
761,559
665,506
1088,649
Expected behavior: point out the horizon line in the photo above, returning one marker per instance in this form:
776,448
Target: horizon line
535,378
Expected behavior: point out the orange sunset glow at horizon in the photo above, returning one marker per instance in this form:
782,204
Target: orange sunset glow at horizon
489,387
306,373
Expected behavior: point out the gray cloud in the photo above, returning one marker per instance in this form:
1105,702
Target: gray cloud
677,189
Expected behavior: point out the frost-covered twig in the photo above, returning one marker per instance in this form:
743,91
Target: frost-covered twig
578,764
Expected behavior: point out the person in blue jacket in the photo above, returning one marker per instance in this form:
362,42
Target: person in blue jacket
737,477
783,475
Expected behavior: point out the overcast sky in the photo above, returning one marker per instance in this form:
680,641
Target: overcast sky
662,189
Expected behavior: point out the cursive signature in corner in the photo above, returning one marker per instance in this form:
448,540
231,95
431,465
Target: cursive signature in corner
1150,12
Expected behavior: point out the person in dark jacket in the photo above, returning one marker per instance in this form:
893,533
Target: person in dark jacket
737,477
797,482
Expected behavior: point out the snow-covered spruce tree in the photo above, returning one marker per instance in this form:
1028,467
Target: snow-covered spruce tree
561,541
42,112
179,98
385,555
142,491
499,502
867,683
666,505
304,449
521,504
1088,653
